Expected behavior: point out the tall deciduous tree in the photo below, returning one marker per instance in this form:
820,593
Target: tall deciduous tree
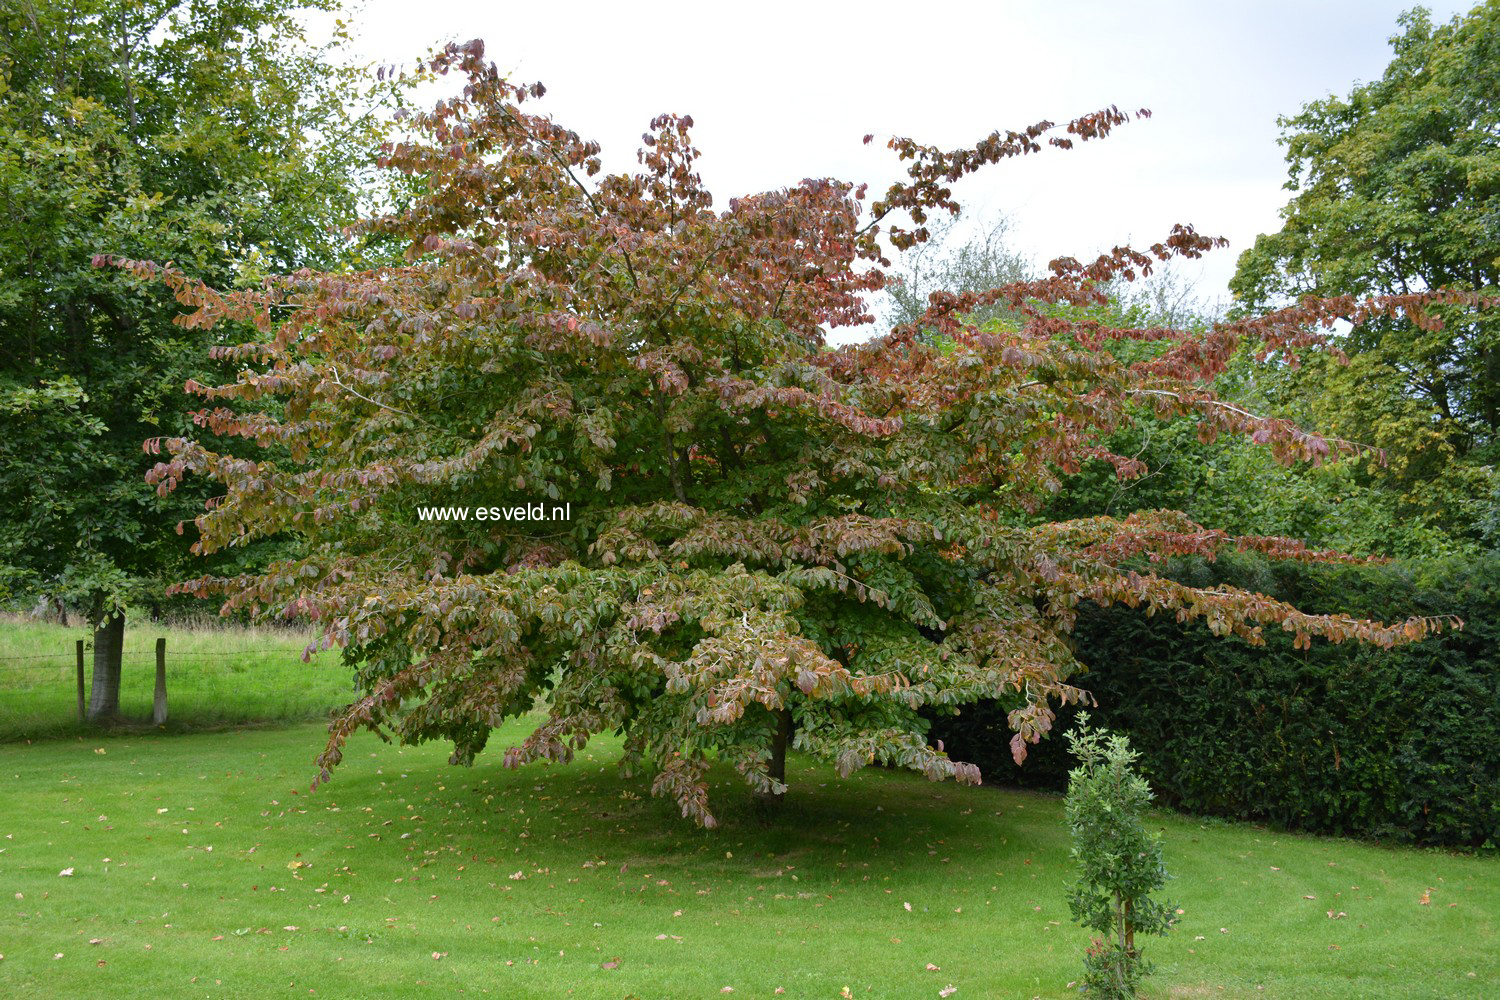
1397,189
770,543
208,133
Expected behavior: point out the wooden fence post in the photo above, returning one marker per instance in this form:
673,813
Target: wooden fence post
82,700
159,705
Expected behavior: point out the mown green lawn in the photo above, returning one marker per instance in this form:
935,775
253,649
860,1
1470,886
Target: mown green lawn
202,865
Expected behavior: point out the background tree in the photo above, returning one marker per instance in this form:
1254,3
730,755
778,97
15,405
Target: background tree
1229,482
1398,190
948,262
770,543
207,133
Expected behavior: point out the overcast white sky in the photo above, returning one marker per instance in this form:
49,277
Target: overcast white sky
780,91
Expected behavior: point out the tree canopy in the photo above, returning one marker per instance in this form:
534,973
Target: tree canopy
769,541
1397,189
210,134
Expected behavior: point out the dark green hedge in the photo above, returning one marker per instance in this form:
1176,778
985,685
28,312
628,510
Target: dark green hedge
1346,739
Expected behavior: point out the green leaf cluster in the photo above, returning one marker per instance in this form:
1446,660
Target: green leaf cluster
214,134
1397,190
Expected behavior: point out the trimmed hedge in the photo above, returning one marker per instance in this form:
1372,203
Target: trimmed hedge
1346,739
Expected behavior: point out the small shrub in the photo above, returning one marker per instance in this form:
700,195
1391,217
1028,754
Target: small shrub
1119,862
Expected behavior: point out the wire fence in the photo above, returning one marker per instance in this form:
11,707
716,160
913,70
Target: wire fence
40,692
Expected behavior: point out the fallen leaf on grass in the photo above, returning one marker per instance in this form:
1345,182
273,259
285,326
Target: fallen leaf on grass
65,873
908,907
947,991
439,955
1426,899
933,968
1337,916
609,965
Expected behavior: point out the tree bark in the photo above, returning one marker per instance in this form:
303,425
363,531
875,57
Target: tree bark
104,692
1489,392
776,769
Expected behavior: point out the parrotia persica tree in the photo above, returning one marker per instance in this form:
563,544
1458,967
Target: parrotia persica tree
770,543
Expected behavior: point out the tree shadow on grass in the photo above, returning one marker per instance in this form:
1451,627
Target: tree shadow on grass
586,811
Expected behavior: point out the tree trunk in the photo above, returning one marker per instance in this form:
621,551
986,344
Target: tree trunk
1489,394
104,693
777,767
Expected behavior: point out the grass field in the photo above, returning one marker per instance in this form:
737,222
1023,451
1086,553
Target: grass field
201,865
215,675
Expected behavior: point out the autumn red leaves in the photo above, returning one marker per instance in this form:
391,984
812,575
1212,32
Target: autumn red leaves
763,529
